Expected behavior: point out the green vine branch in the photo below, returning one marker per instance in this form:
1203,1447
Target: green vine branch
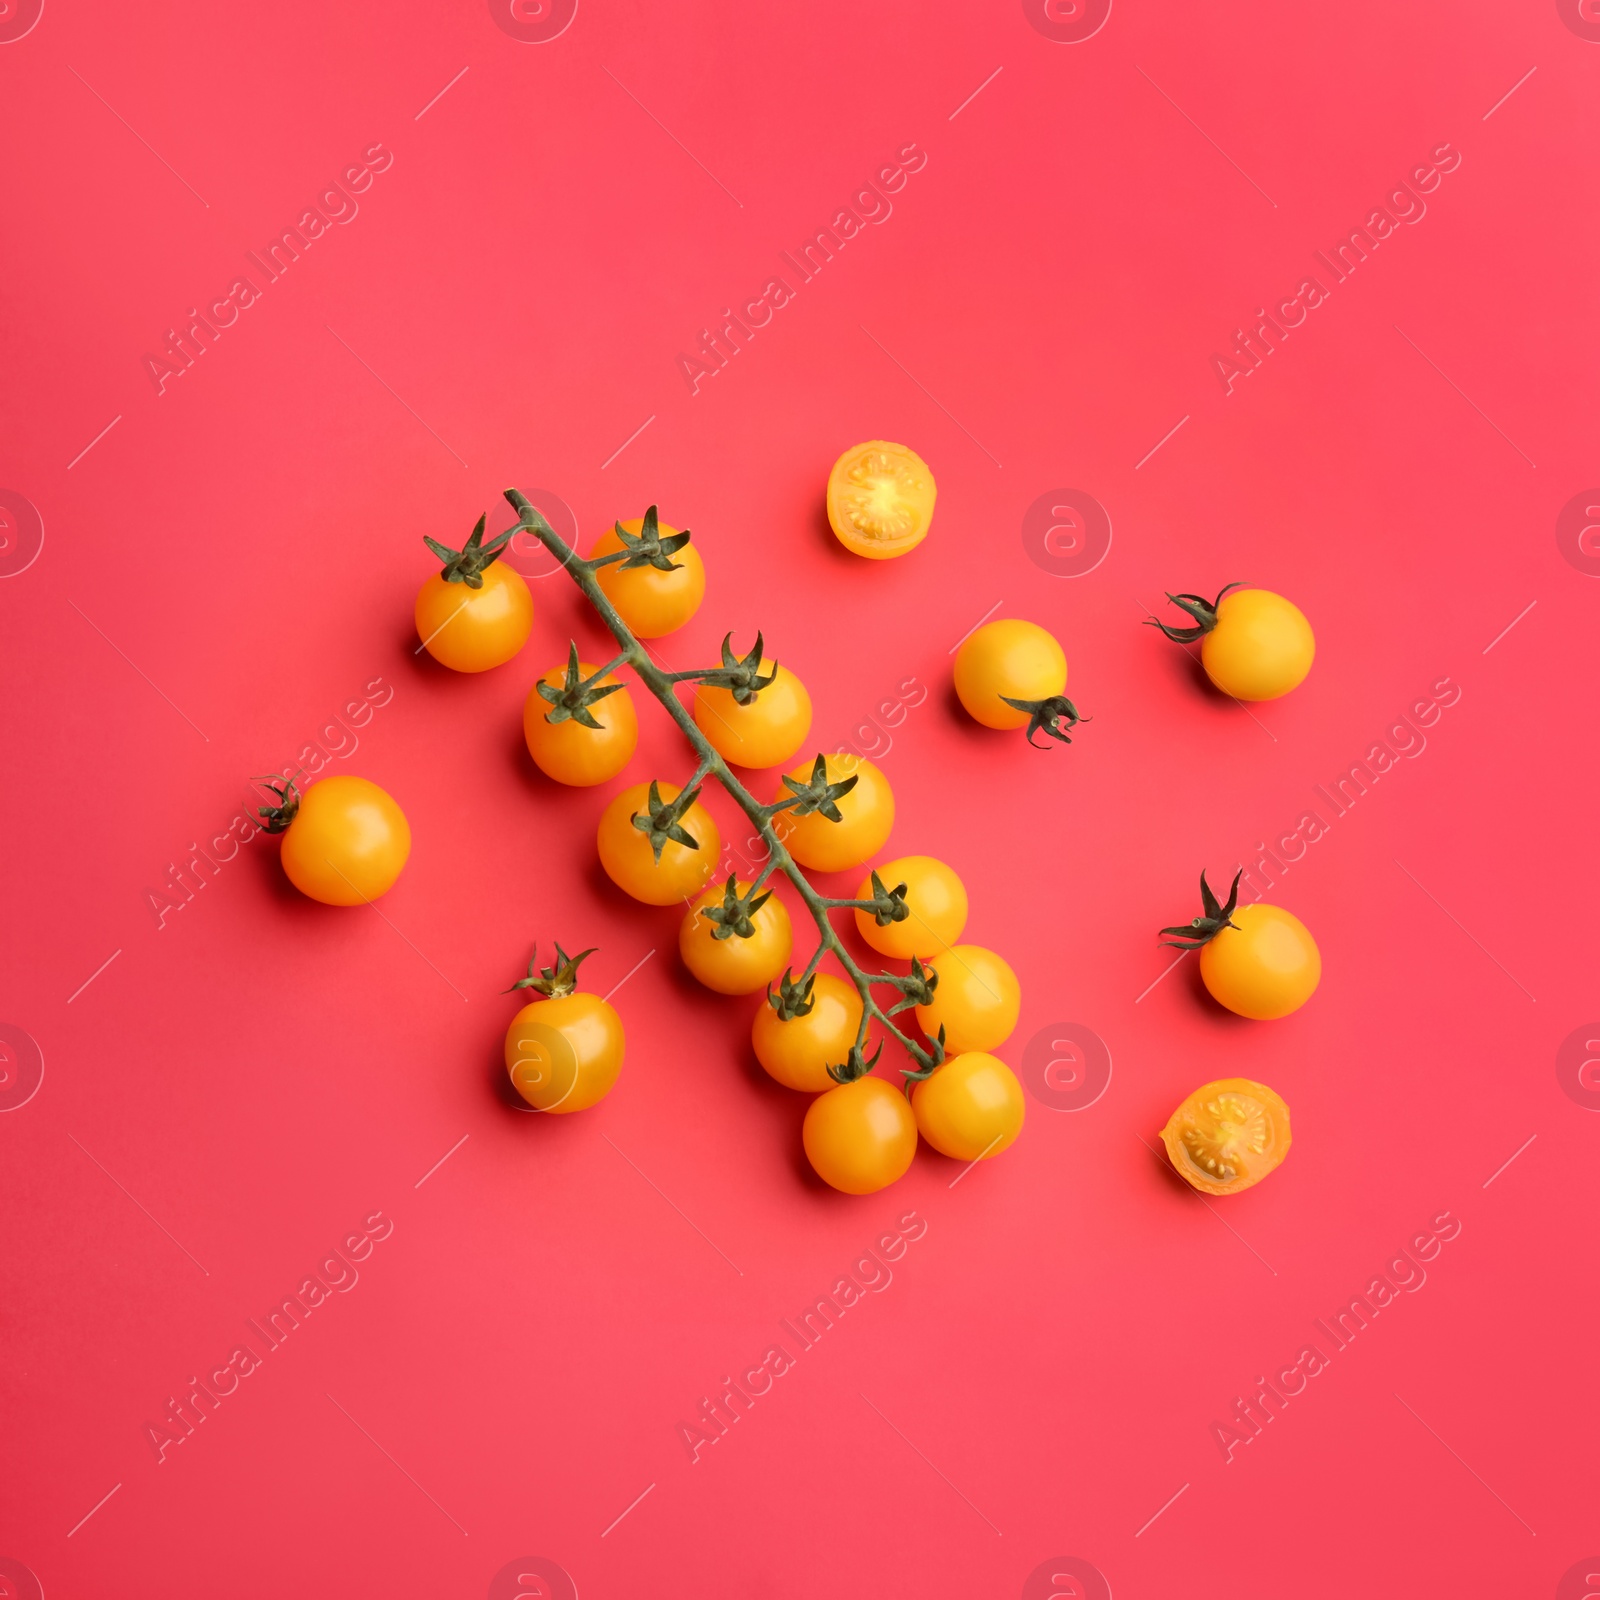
663,819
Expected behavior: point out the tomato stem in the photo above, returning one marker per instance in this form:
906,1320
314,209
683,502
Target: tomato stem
817,794
1202,610
1215,917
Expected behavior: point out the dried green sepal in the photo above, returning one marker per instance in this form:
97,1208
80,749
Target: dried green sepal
467,564
816,793
572,698
1215,917
553,982
792,999
1202,610
661,822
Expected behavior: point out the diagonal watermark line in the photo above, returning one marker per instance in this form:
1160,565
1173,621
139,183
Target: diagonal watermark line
440,629
1509,1159
1159,976
94,441
673,137
392,391
376,907
1463,927
441,1161
95,974
441,94
630,1508
626,442
931,395
1508,94
1464,395
379,1448
91,1511
141,1205
1462,1460
1509,626
628,974
671,1202
974,95
139,136
140,670
998,1534
1162,1509
1161,441
975,626
976,1159
1207,137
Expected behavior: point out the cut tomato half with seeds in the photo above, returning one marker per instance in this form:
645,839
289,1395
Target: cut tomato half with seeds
880,499
1228,1135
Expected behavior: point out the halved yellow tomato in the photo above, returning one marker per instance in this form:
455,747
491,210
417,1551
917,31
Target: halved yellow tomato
880,499
1228,1135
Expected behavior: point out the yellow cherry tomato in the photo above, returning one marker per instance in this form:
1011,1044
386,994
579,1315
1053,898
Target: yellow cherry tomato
563,1054
860,1137
650,601
630,863
764,733
471,630
936,901
798,1051
735,965
971,1107
1265,966
1227,1135
867,812
346,842
568,751
880,499
1008,659
1261,647
976,1000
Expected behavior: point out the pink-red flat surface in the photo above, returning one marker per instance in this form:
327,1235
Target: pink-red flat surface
1032,1397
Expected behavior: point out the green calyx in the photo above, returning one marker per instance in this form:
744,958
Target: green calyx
918,987
740,674
928,1062
647,548
855,1065
1202,610
886,905
1205,928
1046,716
553,982
733,917
572,698
276,819
815,794
467,564
792,999
662,823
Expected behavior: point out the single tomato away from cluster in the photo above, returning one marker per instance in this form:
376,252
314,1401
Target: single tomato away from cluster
476,612
563,1052
1254,644
1257,960
804,1029
1227,1135
880,499
579,725
660,580
344,839
1013,674
733,941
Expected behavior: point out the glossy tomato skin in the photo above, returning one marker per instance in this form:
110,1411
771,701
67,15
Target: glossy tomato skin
564,1054
471,630
1010,658
799,1052
936,899
860,1137
880,499
971,1108
630,863
867,810
650,601
568,751
1228,1135
1261,648
1265,966
976,1002
764,733
347,843
734,965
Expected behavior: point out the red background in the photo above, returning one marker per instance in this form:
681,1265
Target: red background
236,558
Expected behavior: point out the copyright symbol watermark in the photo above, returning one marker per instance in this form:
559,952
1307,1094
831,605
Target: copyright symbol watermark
1578,529
21,526
1066,1066
524,553
1578,1066
17,1581
21,1073
533,21
532,1578
18,17
1582,16
1066,532
1066,1578
1067,21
